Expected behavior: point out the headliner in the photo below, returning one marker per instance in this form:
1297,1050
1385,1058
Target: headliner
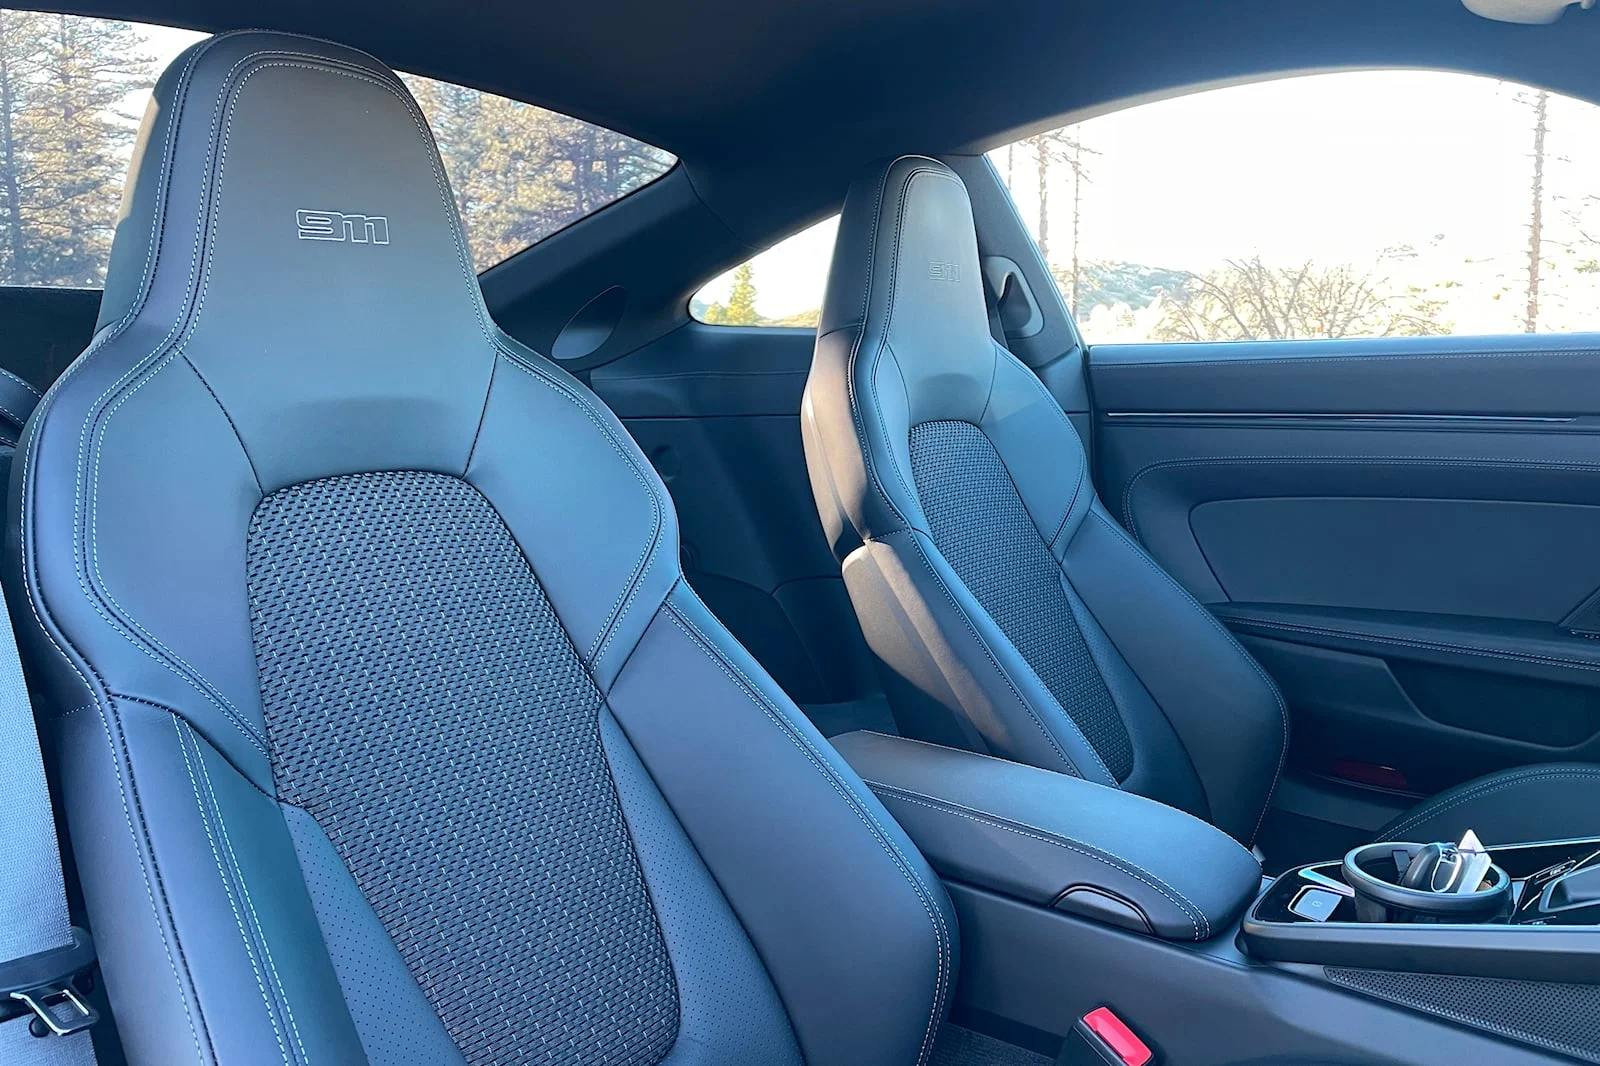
770,100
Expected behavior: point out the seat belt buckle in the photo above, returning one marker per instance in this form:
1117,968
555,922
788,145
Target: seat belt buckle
42,985
59,1007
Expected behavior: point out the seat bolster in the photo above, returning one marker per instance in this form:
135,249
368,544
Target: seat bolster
851,924
607,565
1548,801
854,445
209,944
966,683
392,1016
1040,449
1161,768
1220,702
728,1012
131,583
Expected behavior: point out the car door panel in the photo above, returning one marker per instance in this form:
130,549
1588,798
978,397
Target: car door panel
716,409
44,329
1401,530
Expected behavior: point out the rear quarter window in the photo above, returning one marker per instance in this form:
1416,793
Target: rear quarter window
73,89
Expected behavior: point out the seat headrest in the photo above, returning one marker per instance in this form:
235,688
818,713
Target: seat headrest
905,270
289,229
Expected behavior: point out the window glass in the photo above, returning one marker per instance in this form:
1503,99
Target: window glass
780,287
1357,204
521,173
72,91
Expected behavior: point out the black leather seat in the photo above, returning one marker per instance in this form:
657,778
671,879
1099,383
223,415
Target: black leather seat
386,728
1013,613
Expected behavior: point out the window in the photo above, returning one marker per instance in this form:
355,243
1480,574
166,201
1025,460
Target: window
1358,204
780,287
520,173
72,90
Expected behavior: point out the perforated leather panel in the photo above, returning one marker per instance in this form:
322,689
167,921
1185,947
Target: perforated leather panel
426,707
982,528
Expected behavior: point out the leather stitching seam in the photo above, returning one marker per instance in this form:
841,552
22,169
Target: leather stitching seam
1428,810
879,833
228,890
1245,656
646,560
1191,912
988,653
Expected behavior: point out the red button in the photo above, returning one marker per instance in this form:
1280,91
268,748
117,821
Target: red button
1118,1037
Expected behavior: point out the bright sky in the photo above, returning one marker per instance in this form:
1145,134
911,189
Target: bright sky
165,43
1335,167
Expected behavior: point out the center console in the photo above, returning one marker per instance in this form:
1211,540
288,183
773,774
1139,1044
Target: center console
1074,897
1534,916
1059,841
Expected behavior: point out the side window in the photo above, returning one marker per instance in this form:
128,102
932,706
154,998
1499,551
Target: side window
781,286
73,88
520,173
1359,204
72,91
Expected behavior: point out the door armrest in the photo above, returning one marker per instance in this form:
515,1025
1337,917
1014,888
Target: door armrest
1059,841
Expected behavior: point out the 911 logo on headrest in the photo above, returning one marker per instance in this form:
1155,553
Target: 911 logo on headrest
336,226
943,270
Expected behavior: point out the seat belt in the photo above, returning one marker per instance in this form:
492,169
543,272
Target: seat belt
44,1020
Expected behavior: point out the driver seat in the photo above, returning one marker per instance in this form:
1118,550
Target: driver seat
386,728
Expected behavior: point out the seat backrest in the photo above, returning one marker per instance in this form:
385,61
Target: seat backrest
1013,615
386,728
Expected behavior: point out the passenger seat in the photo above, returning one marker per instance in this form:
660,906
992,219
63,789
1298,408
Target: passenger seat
1012,613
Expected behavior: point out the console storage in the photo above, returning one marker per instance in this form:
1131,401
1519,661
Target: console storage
1057,841
1072,896
1543,929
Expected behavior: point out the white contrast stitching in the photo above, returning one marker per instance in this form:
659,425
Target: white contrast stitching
1427,810
29,458
249,899
18,419
646,560
145,868
1196,917
24,382
888,324
227,889
186,322
871,369
879,833
1283,709
1006,677
98,419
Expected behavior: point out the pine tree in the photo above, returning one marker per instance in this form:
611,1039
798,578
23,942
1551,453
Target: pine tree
65,139
742,298
520,173
20,33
